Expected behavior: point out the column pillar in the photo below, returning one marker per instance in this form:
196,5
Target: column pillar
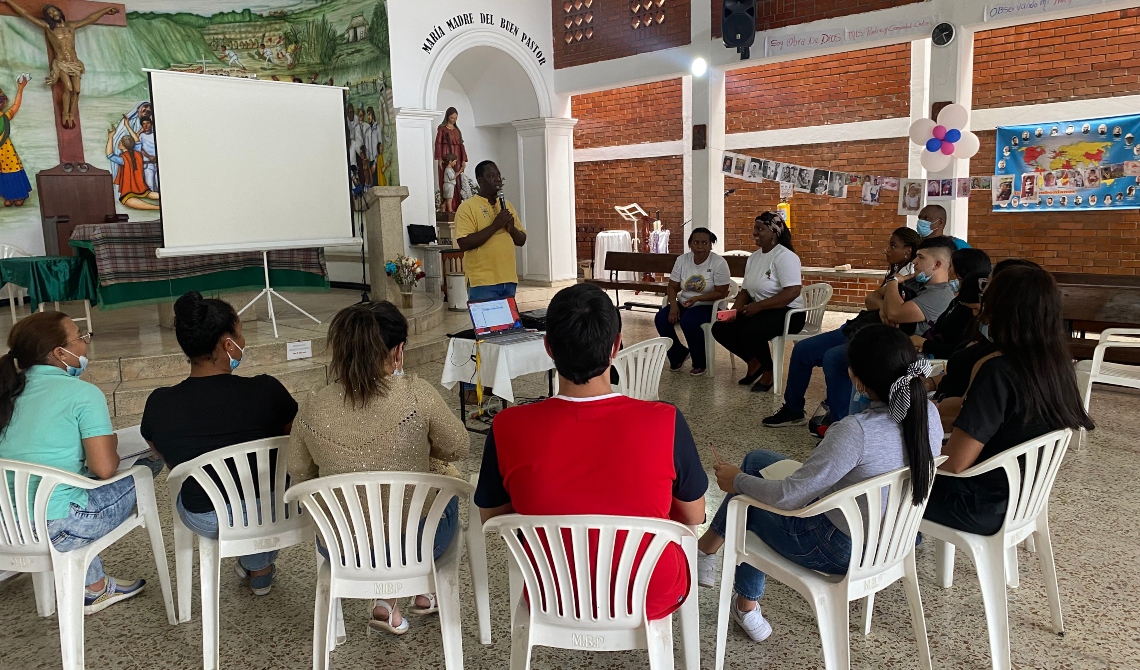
708,182
415,142
952,78
919,108
385,235
546,181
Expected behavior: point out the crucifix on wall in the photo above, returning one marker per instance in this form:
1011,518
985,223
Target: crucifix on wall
66,70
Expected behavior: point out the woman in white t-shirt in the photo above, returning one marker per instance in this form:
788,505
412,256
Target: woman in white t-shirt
699,278
772,286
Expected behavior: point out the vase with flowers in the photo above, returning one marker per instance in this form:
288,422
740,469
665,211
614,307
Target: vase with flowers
406,271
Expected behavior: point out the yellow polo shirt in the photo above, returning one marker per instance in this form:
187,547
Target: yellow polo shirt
494,262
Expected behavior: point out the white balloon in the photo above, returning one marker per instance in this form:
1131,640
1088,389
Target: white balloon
935,162
920,131
967,146
954,116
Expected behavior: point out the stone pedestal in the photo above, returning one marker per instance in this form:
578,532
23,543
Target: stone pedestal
384,229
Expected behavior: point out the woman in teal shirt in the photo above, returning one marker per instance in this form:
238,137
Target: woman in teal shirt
50,417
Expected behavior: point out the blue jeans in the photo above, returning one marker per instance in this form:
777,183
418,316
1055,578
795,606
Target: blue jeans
492,292
826,350
107,508
206,525
815,542
444,532
692,318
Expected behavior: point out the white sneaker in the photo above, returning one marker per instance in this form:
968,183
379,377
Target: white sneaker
706,569
753,622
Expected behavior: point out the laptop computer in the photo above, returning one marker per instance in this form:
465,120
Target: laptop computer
498,321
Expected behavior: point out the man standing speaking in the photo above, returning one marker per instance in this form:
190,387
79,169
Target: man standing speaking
488,230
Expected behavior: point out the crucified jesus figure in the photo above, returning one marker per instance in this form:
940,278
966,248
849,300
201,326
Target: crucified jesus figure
66,66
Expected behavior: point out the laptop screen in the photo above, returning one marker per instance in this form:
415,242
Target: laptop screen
494,316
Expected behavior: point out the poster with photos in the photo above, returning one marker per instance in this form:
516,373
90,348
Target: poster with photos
726,162
752,172
912,196
1069,165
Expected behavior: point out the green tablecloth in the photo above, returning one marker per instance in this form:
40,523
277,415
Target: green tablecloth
51,278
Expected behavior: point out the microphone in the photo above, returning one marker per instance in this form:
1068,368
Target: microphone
729,192
502,201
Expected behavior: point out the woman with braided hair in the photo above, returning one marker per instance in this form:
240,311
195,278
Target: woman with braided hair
899,429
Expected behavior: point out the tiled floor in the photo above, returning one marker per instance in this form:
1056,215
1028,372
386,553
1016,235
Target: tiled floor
1093,518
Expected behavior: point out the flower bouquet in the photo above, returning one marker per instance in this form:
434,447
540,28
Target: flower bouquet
406,271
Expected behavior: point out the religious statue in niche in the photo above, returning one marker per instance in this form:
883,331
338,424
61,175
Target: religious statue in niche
66,66
449,140
14,185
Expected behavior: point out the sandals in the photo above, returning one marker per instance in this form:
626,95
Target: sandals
432,607
384,624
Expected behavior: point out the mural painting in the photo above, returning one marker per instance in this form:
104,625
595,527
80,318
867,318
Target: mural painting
330,42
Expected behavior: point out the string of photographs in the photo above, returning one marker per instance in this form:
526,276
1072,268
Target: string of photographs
913,193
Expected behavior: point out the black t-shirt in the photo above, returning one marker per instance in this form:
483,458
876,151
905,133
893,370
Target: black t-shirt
951,330
993,414
960,366
201,414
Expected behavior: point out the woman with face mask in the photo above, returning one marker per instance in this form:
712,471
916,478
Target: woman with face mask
49,417
374,418
212,409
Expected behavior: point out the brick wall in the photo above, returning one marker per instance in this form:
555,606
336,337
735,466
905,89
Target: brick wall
854,86
1081,58
848,289
655,183
780,13
630,115
1101,242
601,30
825,231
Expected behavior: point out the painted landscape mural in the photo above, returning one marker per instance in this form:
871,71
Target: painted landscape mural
329,42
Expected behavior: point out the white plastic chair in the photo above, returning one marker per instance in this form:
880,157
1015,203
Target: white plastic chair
268,524
476,539
882,552
639,368
15,293
1027,517
58,577
579,613
816,297
374,550
710,343
1097,371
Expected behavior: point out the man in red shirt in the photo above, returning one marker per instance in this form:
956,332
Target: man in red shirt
589,450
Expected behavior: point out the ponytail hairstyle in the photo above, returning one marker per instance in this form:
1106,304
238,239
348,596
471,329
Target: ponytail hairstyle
30,342
199,323
884,359
776,223
362,338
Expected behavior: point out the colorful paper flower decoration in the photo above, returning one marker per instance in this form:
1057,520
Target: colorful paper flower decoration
944,139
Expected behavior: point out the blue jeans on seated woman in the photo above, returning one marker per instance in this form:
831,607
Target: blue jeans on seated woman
814,543
206,525
692,318
444,532
107,508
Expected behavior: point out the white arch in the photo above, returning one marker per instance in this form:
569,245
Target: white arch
486,37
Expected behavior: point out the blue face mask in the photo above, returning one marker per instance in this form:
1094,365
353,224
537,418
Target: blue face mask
924,228
984,329
922,277
234,364
955,285
76,371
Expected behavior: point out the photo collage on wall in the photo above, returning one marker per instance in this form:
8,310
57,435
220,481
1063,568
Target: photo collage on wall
1069,166
913,193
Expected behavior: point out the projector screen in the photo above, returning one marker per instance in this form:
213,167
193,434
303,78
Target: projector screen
249,165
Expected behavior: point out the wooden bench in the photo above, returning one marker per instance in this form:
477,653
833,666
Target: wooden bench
643,264
1093,303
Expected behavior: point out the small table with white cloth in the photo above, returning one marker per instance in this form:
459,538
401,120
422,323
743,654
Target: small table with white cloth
612,240
498,365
